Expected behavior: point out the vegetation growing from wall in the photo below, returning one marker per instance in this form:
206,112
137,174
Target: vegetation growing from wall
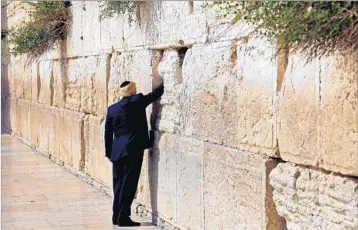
315,28
112,8
47,23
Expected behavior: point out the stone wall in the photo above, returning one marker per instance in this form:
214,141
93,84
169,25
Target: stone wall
231,112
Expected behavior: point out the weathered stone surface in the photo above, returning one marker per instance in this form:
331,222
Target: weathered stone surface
298,112
54,136
97,165
43,130
74,45
111,33
171,180
255,98
216,94
169,112
60,80
144,30
133,66
23,118
46,82
27,81
236,190
35,120
339,114
69,133
35,82
208,96
91,27
73,86
190,183
16,77
311,199
313,93
86,86
163,173
59,132
189,23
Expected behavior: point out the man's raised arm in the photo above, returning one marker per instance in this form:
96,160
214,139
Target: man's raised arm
156,93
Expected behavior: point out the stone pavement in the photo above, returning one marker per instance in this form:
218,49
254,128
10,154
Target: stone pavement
39,194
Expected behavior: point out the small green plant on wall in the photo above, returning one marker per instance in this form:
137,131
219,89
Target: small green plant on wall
316,28
112,8
47,23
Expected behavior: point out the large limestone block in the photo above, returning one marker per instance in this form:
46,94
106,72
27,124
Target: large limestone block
111,33
318,114
171,180
157,189
208,97
162,171
59,132
35,82
86,87
69,136
27,82
44,119
74,46
133,66
187,19
13,115
74,84
52,126
144,194
338,136
35,121
169,111
145,27
46,82
91,27
190,183
23,117
97,165
256,67
298,112
60,76
312,199
49,139
237,194
16,77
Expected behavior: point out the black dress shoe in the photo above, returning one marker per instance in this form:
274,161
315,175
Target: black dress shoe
127,222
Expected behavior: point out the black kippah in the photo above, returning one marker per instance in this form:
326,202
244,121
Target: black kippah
124,84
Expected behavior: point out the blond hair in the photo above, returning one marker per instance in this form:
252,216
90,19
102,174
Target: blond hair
127,90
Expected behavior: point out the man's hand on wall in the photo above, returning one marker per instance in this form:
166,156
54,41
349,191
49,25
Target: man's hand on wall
157,79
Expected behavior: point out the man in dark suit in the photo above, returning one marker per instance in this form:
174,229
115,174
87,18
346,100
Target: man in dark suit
127,120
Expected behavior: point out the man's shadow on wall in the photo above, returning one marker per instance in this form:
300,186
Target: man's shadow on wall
153,158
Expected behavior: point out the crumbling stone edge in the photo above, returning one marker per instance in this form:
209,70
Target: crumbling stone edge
137,208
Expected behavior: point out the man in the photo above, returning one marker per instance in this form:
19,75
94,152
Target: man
127,120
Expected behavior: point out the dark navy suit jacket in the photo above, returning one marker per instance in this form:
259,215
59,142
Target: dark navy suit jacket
127,120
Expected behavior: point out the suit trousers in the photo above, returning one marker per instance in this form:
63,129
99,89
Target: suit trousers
126,172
